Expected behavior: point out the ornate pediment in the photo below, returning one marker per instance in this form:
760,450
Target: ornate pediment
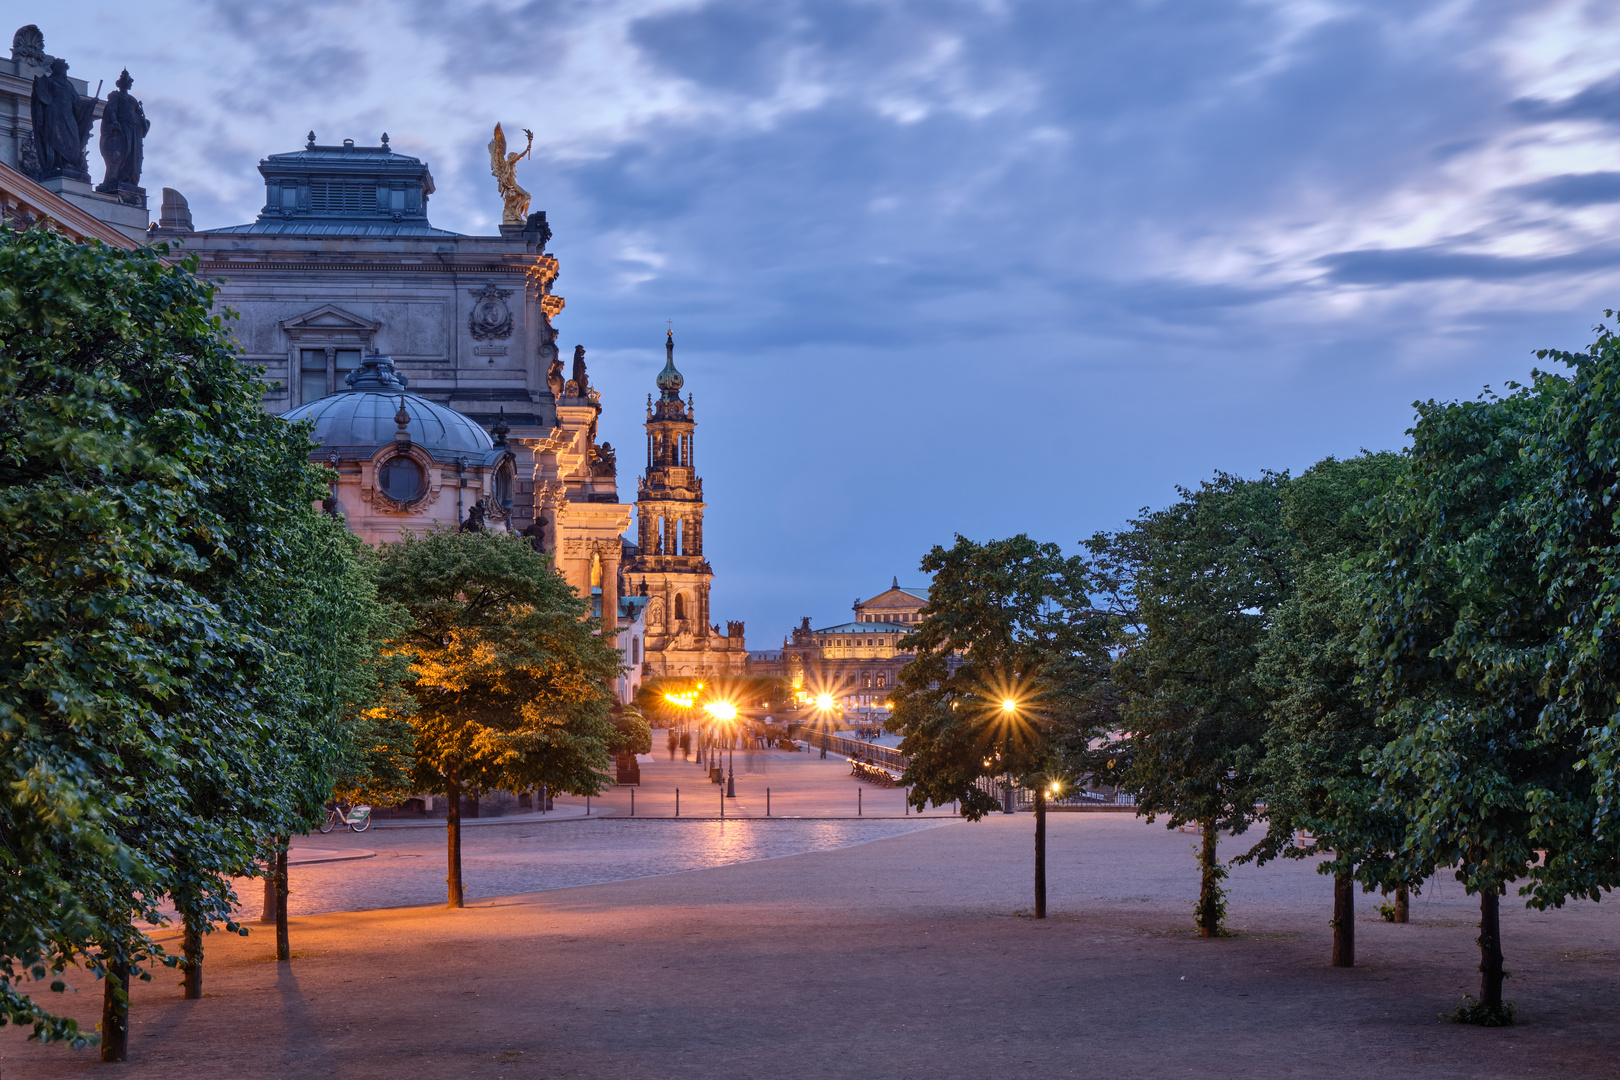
329,321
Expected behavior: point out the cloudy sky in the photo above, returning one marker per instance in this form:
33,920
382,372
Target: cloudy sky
979,267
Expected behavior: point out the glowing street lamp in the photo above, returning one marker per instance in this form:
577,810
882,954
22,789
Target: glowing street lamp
724,712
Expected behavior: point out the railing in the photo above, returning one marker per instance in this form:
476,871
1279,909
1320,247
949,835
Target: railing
886,756
896,762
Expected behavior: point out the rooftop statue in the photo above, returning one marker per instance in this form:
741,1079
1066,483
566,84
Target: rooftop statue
580,379
62,121
123,127
503,167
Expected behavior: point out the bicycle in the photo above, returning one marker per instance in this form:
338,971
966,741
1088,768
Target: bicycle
357,819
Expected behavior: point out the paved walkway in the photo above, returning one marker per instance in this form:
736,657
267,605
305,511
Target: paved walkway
908,957
798,785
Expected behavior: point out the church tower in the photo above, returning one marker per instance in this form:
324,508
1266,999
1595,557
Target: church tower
669,567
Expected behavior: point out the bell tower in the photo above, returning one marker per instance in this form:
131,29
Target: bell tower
670,564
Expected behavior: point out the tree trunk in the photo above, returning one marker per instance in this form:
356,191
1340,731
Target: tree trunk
1209,888
1040,852
452,830
1403,904
115,1012
1490,951
1344,920
193,949
283,948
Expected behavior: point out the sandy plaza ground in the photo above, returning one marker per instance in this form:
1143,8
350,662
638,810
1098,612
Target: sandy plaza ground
909,956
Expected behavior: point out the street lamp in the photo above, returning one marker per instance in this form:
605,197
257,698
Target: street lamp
725,712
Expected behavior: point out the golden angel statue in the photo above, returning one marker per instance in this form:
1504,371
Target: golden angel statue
503,167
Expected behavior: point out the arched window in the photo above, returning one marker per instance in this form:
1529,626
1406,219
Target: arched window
680,605
596,570
866,681
503,485
881,680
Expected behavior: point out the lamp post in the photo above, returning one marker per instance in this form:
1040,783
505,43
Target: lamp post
724,712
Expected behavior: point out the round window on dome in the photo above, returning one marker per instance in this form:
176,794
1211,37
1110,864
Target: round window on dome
401,479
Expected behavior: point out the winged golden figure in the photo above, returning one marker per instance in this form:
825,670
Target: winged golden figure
503,167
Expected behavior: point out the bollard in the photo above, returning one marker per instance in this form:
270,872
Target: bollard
587,806
632,802
906,811
722,802
767,802
677,802
858,794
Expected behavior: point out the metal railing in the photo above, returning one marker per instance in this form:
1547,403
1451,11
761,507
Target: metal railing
888,757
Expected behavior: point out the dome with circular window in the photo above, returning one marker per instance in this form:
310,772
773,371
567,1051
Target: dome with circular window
366,416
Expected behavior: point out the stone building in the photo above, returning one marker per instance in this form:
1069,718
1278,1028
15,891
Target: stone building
666,565
856,662
343,267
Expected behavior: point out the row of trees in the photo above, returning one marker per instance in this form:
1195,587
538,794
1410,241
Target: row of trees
1401,663
194,661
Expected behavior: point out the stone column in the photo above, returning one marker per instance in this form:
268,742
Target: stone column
610,592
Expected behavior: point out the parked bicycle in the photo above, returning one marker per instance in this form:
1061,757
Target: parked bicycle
357,819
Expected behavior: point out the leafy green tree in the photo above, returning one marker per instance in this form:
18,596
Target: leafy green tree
1007,654
511,681
1489,650
1320,724
1203,578
152,518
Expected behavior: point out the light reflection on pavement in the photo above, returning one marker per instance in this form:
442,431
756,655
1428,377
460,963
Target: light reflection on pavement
409,867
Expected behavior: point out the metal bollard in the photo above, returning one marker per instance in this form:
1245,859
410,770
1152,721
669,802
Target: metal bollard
722,803
632,802
677,802
767,802
858,794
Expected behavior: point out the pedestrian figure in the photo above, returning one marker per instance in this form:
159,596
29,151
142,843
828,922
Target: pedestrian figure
824,746
686,743
674,740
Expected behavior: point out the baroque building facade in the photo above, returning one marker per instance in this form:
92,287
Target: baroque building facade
666,565
858,662
341,268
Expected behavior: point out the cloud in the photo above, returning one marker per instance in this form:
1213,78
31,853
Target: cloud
1600,101
1574,189
1063,253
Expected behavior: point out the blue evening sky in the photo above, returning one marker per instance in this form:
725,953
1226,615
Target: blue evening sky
960,267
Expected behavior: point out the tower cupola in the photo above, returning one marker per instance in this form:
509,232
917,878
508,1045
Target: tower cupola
669,380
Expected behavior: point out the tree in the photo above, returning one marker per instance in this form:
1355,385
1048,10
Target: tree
1203,577
1320,723
511,682
1006,654
1489,646
153,520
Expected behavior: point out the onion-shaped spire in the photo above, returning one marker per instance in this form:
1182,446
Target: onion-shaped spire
670,381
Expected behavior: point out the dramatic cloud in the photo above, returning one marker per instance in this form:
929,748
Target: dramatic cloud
963,266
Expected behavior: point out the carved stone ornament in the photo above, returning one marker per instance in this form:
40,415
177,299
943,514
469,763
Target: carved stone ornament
490,317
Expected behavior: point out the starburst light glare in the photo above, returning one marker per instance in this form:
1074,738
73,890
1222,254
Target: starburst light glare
824,701
1009,705
722,710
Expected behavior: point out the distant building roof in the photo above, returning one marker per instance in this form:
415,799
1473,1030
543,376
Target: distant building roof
864,628
345,190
